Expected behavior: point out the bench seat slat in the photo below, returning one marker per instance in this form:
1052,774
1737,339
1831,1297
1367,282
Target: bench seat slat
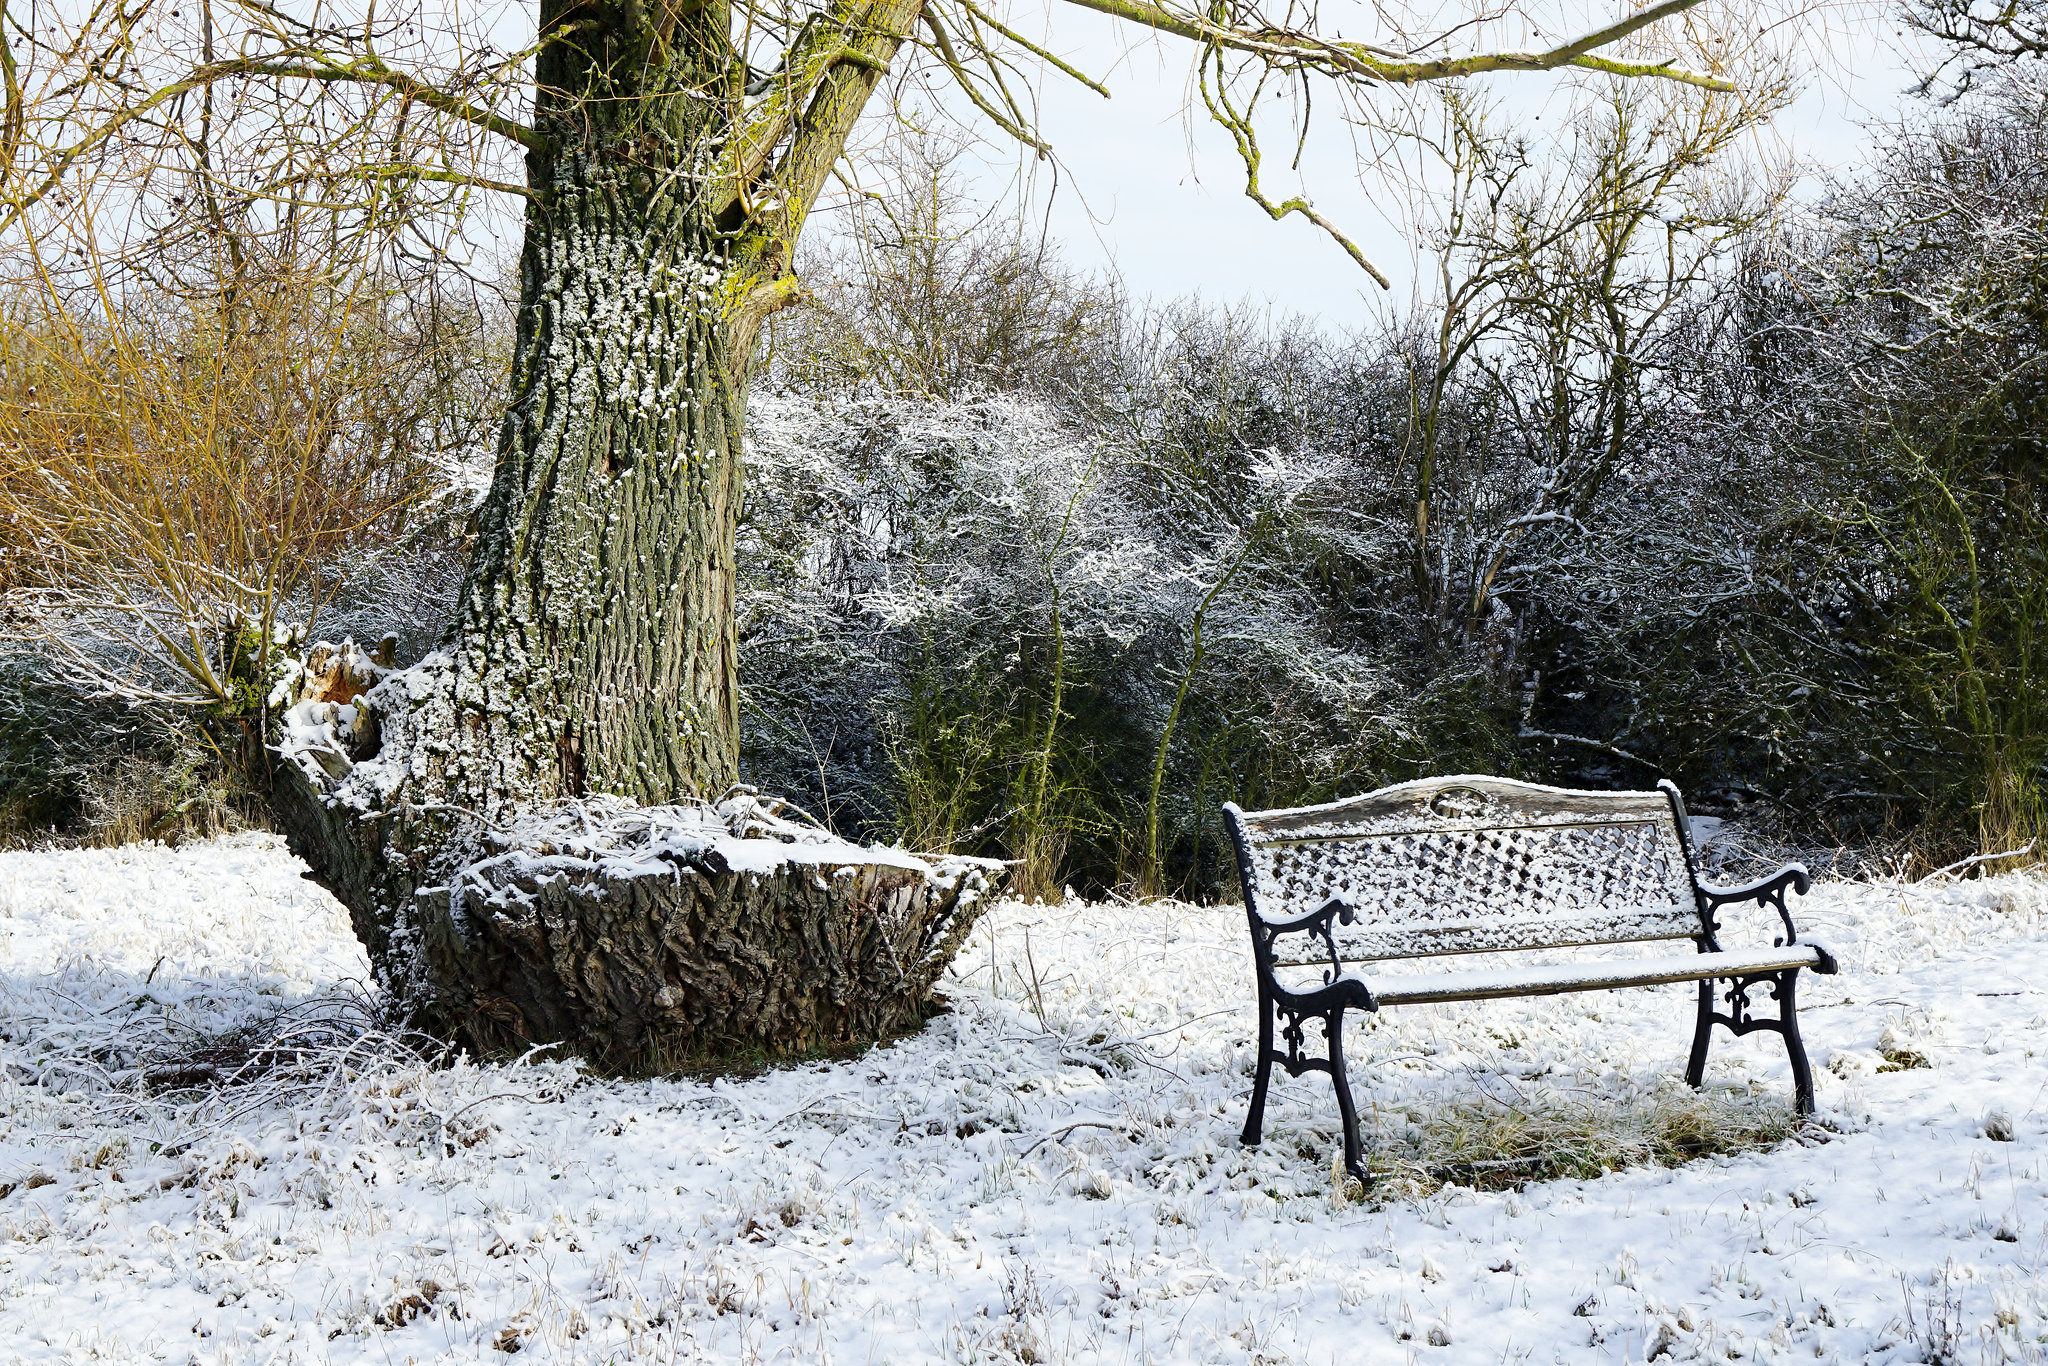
1492,933
1552,978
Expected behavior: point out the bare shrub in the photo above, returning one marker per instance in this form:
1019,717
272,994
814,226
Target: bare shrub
194,453
174,473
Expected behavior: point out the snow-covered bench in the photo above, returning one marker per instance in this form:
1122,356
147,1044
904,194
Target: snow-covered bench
1486,865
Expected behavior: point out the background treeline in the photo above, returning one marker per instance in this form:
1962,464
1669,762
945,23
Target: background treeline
1671,480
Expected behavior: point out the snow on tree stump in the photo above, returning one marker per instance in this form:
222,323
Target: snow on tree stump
650,937
643,937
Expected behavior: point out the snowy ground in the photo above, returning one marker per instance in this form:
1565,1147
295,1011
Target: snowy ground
1048,1174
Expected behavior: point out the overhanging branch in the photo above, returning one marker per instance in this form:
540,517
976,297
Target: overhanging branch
1097,86
1013,123
1363,62
1216,96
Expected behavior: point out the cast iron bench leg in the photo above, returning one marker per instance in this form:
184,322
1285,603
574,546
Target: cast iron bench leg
1256,1119
1795,1048
1702,1035
1354,1151
1784,989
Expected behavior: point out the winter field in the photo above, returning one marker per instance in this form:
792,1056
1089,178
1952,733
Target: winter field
1049,1173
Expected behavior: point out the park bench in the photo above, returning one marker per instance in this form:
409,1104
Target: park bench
1470,865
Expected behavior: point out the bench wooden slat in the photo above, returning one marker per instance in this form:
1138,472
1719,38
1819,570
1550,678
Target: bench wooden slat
1552,979
1468,801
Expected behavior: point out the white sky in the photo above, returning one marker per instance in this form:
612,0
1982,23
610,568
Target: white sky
1158,194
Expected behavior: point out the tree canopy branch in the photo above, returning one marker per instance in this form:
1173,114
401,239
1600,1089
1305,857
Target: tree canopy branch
1365,63
365,71
1097,86
1216,97
1012,123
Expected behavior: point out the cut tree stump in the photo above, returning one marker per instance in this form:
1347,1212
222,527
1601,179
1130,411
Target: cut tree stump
740,948
643,937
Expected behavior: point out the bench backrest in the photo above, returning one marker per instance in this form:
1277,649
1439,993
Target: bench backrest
1473,865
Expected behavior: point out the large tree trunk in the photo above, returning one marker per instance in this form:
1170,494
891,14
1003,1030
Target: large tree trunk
593,655
596,646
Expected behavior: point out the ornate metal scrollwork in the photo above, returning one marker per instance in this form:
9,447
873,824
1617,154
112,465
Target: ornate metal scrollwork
1292,1033
1336,908
1769,892
1741,1018
1458,803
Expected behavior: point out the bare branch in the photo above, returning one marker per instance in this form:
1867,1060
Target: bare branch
1035,50
1216,97
14,118
1012,124
364,71
1372,65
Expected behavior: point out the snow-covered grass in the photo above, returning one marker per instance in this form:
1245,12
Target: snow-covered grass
1048,1173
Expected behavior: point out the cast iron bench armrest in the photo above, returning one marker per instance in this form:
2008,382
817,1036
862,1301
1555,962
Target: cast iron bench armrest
1316,922
1770,891
1793,875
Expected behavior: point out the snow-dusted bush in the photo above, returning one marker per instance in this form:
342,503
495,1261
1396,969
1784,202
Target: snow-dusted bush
1820,599
976,624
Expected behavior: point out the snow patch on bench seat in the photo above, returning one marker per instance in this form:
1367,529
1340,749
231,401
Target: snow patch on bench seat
1488,934
1553,978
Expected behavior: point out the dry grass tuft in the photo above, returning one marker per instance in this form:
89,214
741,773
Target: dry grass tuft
1489,1144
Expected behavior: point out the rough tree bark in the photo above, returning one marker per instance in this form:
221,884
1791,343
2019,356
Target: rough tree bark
593,655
